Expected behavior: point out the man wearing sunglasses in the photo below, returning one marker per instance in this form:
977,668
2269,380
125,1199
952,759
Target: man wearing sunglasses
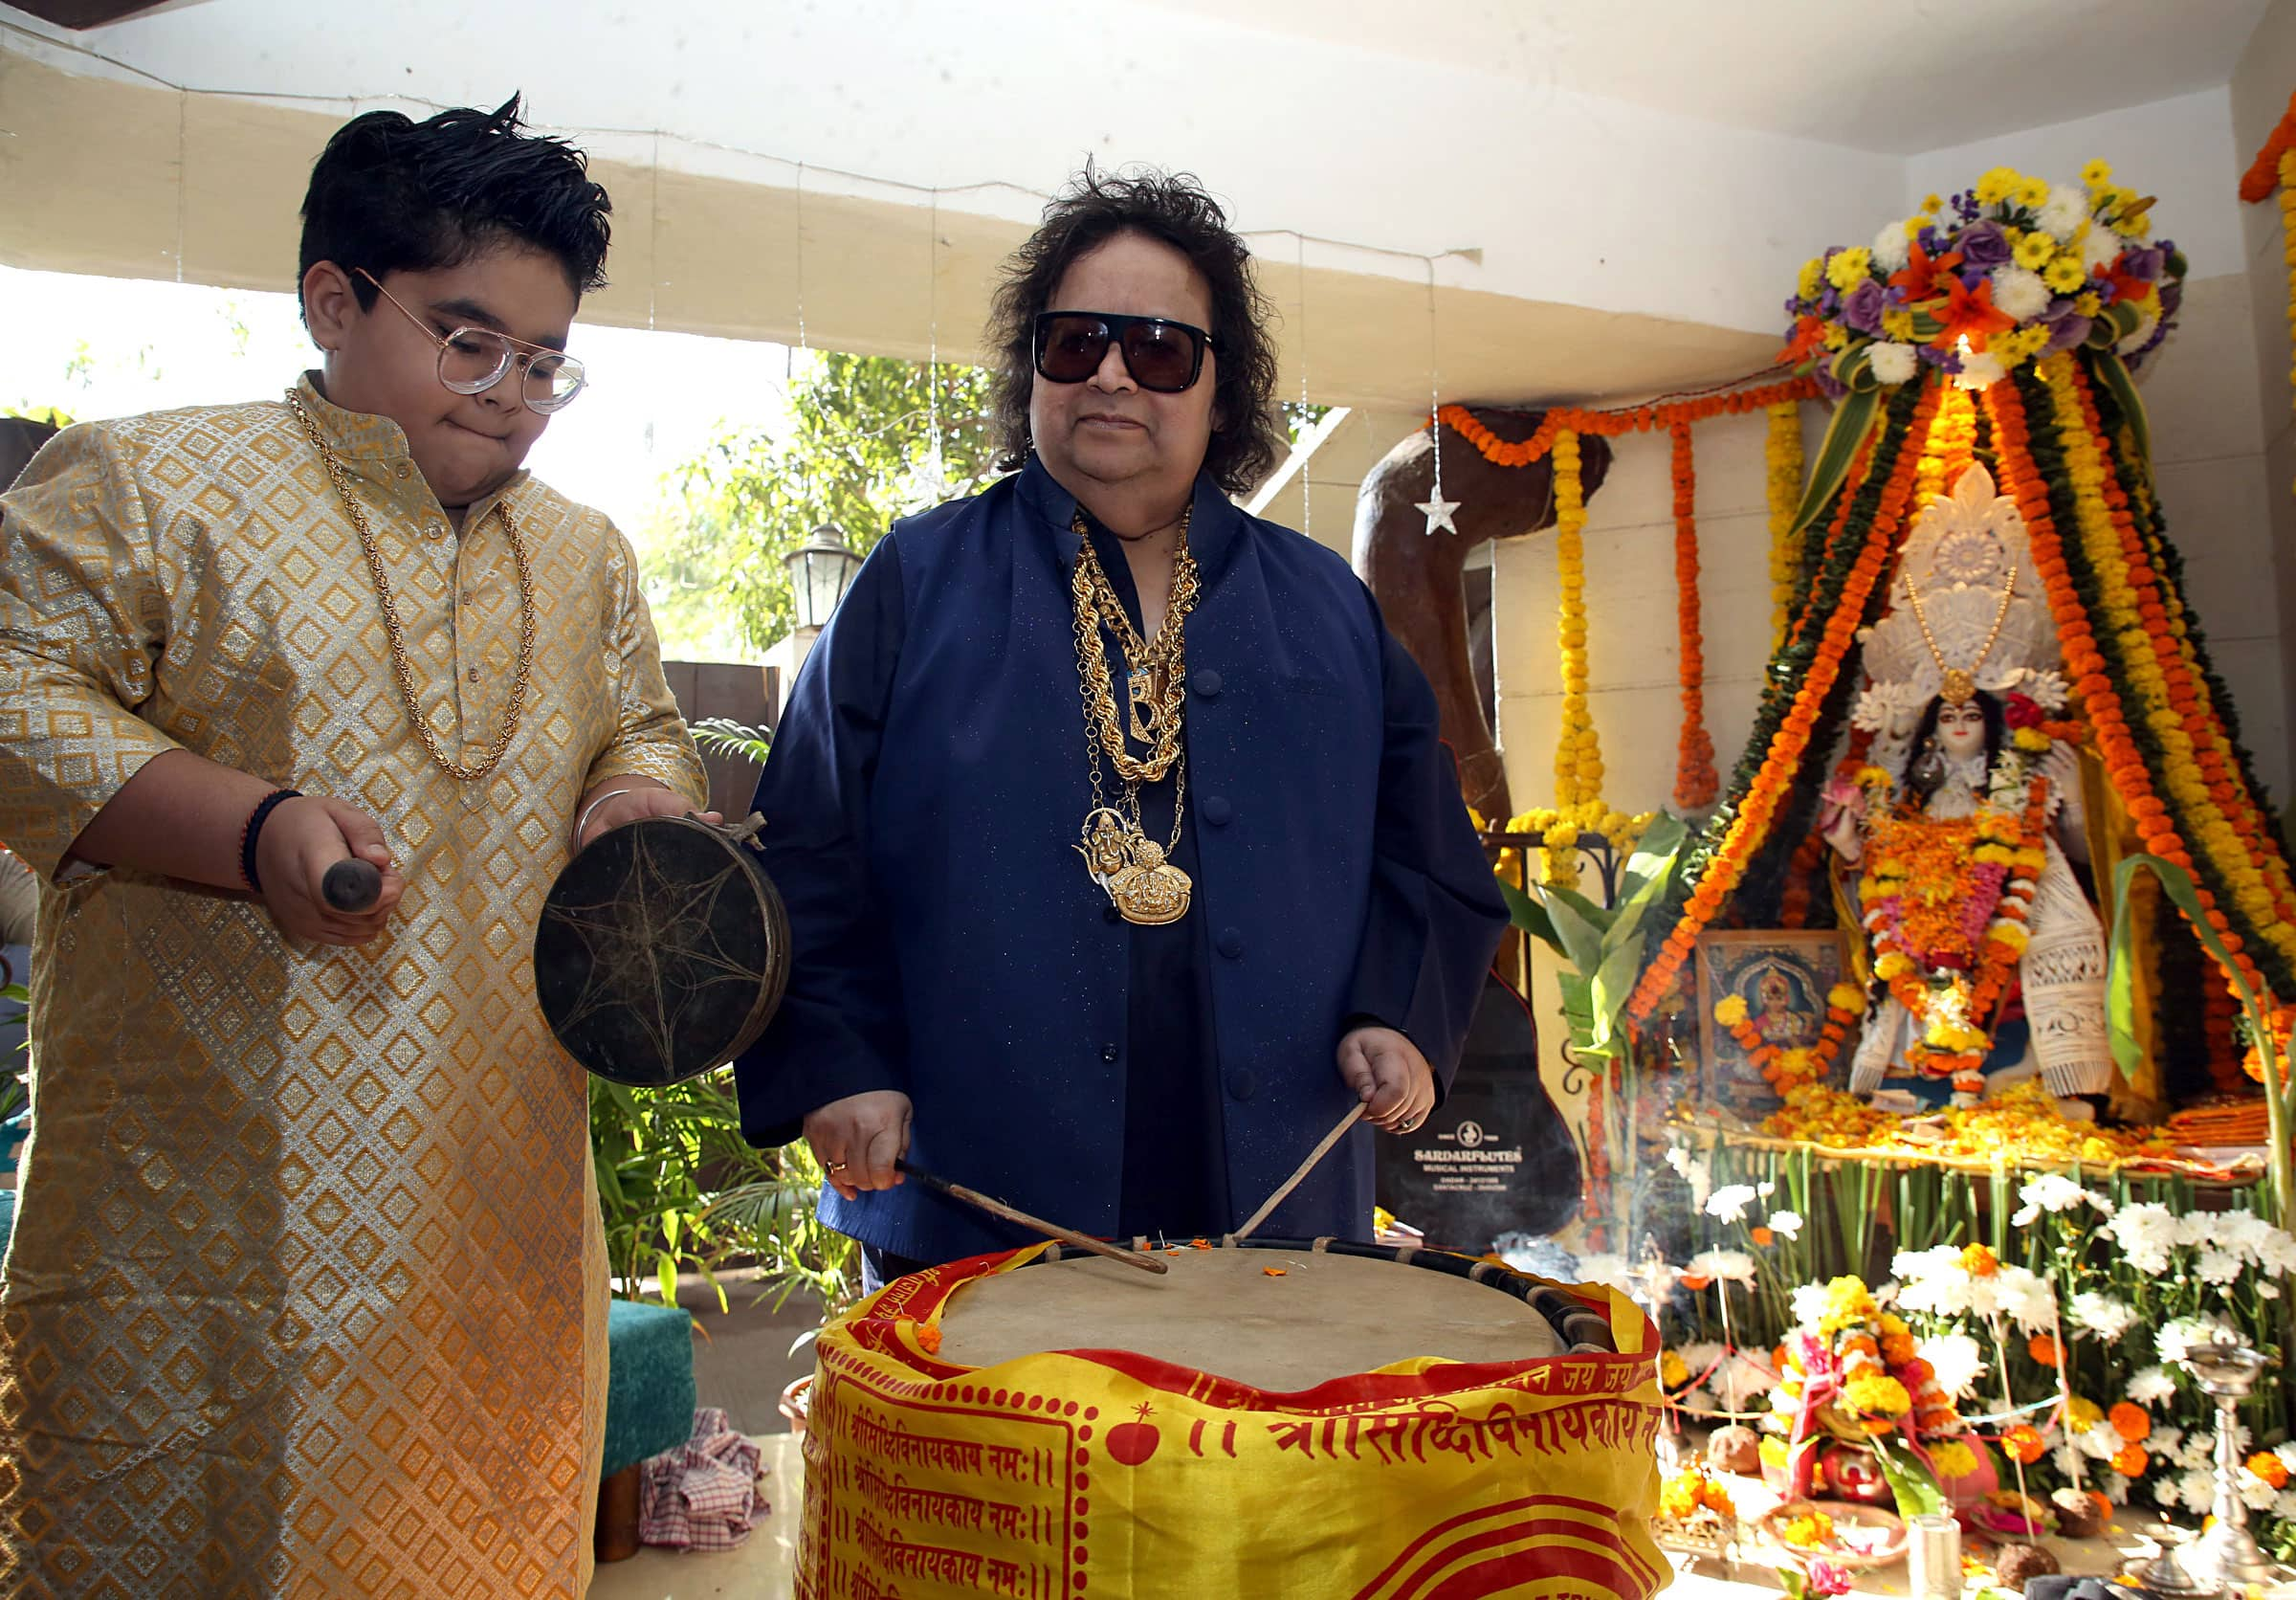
307,1289
1120,856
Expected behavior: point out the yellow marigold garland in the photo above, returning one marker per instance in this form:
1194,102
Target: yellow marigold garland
1578,755
1951,447
1782,451
2287,229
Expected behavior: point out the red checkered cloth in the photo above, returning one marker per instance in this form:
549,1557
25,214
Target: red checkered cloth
703,1495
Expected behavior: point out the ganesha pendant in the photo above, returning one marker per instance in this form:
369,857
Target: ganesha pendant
1146,890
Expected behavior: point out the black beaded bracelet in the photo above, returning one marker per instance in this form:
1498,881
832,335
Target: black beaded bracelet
255,830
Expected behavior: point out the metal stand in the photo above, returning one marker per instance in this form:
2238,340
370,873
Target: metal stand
2226,1556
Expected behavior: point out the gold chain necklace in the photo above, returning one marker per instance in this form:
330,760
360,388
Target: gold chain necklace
397,635
1960,683
1133,869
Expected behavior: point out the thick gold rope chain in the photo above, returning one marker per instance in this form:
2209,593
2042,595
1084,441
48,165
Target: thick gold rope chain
397,636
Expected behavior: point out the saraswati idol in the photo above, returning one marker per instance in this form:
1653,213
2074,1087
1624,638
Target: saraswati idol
1987,956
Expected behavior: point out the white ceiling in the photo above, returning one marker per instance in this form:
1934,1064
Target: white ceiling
1896,76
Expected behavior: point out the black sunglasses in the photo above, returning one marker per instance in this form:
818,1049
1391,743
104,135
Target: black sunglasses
1161,355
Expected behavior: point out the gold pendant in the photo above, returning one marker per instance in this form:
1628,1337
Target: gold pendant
1146,890
1142,684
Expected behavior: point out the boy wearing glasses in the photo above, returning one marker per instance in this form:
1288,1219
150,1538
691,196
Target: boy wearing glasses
306,1294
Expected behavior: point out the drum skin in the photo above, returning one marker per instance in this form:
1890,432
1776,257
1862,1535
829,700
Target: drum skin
662,951
1114,1474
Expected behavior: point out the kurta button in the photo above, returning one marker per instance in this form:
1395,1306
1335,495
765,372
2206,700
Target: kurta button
1231,943
1109,1053
436,530
1217,810
1206,682
1110,913
1241,1083
474,675
401,470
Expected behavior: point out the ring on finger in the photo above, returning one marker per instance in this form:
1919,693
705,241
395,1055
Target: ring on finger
834,1166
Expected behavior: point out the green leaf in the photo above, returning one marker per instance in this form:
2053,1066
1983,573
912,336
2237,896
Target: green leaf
1656,853
2115,373
1853,417
1580,924
1609,989
1914,1484
2120,967
1527,914
665,1276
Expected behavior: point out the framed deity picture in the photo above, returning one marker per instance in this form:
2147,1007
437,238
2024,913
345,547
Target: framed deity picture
1784,977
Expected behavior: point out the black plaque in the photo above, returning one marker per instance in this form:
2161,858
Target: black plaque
1496,1156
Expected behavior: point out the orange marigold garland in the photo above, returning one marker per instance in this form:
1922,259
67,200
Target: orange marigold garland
1750,824
1695,781
1610,425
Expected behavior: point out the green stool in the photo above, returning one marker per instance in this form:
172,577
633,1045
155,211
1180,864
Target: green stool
649,1408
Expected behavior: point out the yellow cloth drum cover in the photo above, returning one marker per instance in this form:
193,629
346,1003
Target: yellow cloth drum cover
948,1454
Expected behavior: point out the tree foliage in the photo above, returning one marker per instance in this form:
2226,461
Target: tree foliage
855,452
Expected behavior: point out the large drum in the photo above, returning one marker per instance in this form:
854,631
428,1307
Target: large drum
1268,1419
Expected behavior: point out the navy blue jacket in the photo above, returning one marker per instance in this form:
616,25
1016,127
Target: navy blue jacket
922,811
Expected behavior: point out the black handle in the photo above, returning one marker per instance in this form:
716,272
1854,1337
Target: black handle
352,885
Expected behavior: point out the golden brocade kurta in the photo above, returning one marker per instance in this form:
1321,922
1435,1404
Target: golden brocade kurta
306,1291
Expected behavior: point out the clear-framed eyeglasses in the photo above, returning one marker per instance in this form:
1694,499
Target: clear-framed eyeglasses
472,360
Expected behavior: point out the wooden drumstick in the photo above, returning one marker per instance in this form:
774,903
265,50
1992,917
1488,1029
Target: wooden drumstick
1051,1230
1354,1116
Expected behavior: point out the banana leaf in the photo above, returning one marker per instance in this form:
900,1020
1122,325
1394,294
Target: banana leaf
2120,990
2115,372
1527,914
1853,418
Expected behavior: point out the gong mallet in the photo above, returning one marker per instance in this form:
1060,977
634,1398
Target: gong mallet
1306,1167
1035,1224
352,885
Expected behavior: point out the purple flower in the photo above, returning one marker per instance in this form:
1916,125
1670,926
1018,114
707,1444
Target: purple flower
2172,296
1972,276
1965,205
1986,246
2067,333
1829,385
1864,308
1829,302
2144,265
1945,361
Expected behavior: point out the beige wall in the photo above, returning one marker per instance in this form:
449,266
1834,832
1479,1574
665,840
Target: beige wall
2261,87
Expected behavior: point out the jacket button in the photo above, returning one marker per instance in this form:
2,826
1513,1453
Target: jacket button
1206,682
1231,943
1110,913
1217,810
1109,1053
1241,1083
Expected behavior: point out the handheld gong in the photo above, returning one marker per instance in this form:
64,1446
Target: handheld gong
662,951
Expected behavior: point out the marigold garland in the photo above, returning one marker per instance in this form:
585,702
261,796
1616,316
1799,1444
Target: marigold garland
2257,182
1782,457
1578,754
1750,824
1610,425
1695,781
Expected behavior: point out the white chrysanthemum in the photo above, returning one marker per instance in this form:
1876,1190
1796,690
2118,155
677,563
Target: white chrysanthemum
2177,1339
2100,1443
1892,362
2283,1505
2146,1232
1786,1225
2101,247
2276,1252
2218,1266
1700,1356
2165,1440
2066,209
1728,1203
2026,1299
2067,1462
2102,1315
1809,1304
1891,247
1724,1266
2151,1385
2199,1488
1697,1171
2286,1453
1958,1359
2255,1493
2054,1192
2165,1491
2018,292
2116,1488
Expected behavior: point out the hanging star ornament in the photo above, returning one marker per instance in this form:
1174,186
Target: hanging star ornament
1438,513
